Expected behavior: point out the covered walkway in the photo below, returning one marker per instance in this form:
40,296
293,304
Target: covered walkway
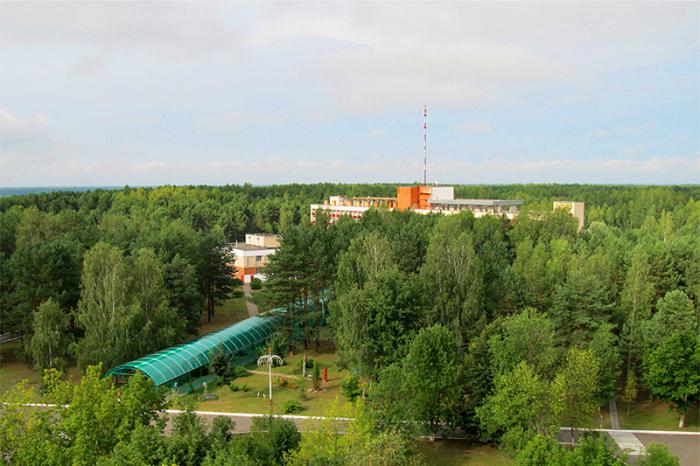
178,363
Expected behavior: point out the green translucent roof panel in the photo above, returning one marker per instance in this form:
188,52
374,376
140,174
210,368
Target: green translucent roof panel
171,363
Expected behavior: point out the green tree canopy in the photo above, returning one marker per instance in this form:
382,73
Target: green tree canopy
51,338
671,370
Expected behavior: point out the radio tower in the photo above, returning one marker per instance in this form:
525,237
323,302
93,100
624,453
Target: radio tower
425,145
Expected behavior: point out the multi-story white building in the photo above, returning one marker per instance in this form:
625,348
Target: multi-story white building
250,257
420,199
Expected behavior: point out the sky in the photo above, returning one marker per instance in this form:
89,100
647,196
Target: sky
104,94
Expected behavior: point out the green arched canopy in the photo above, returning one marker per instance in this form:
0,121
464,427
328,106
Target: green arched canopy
172,363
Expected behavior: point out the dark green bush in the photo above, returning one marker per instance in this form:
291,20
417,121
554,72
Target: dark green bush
291,406
351,387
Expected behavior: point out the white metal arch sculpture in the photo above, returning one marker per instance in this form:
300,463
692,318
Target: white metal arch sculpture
270,360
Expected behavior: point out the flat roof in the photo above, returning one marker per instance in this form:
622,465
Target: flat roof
479,202
248,247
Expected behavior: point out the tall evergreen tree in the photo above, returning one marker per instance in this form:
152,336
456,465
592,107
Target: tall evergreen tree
580,304
215,273
184,295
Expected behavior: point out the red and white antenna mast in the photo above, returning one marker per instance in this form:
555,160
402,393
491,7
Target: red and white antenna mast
425,145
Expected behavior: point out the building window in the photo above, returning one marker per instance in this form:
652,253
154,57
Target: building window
258,258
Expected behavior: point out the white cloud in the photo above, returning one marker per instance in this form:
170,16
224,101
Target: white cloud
474,127
234,121
170,29
148,166
16,129
382,56
666,170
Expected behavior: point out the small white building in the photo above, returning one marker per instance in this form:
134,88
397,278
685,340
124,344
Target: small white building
250,257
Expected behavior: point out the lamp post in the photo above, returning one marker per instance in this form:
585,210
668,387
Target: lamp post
269,359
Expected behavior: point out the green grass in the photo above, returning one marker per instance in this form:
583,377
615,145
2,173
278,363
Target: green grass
14,370
316,404
656,415
231,311
460,452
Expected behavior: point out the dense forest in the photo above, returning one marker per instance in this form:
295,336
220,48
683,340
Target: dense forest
505,330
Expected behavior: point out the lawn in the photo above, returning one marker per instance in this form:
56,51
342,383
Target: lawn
656,415
231,311
252,401
14,370
460,452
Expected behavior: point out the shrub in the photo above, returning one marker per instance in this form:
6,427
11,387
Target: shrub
302,393
239,371
316,377
272,438
291,406
255,284
242,387
658,454
300,363
351,387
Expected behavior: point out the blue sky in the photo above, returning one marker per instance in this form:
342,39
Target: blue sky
213,93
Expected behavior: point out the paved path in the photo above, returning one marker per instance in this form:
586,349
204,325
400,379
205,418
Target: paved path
250,306
275,374
685,447
627,442
614,418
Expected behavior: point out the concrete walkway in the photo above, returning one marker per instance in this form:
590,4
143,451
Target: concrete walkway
627,442
685,447
250,306
275,374
614,418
